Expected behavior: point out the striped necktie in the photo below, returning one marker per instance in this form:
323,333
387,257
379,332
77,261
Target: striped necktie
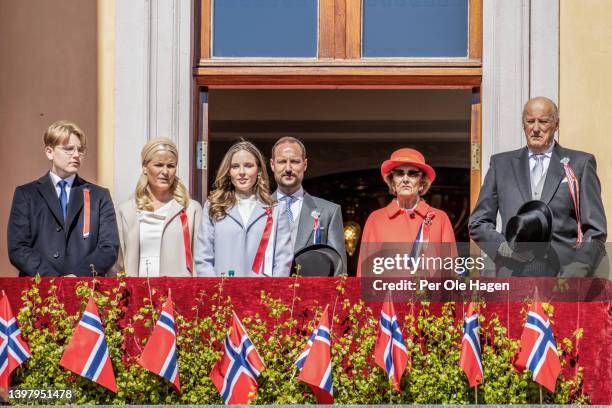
289,200
538,169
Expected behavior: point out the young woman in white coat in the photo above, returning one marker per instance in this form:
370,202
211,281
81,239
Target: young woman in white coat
158,226
243,232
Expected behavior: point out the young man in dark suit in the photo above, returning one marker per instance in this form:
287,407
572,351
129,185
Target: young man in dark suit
60,224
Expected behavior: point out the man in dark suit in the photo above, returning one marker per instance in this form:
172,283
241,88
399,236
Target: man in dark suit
543,170
313,220
60,224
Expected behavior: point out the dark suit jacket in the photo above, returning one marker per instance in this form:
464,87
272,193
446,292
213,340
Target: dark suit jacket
40,243
507,186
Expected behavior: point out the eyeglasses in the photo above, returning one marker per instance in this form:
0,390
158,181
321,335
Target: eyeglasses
543,122
410,173
69,150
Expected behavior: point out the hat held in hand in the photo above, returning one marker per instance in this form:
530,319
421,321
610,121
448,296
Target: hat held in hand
531,224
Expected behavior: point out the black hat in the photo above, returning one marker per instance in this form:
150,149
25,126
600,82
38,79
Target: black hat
317,260
532,223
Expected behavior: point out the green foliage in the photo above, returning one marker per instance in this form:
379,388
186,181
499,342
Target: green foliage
433,342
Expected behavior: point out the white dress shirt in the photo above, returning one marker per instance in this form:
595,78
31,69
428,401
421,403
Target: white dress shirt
55,179
296,206
547,155
246,205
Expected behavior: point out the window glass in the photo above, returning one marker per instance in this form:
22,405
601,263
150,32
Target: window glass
265,28
415,28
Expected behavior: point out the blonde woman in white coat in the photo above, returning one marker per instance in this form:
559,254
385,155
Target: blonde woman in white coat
243,231
158,226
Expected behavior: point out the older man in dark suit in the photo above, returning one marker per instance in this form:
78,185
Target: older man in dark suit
313,220
564,179
60,224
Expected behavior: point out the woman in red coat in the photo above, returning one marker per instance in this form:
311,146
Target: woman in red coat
408,218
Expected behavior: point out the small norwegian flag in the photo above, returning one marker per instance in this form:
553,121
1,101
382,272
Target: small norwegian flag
235,374
538,349
390,352
159,355
471,358
87,353
314,362
13,349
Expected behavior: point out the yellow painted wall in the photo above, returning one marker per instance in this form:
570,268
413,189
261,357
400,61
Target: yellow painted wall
585,91
106,93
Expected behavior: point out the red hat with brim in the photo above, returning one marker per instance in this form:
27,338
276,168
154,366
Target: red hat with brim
406,156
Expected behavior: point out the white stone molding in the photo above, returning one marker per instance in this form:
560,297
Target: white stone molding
152,85
520,60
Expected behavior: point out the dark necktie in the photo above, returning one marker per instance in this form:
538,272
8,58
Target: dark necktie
63,197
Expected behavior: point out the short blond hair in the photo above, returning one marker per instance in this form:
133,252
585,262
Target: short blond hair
59,133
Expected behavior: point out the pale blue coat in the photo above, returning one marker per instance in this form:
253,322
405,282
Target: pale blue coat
227,244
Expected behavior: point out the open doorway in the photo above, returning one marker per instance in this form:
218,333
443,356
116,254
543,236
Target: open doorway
348,134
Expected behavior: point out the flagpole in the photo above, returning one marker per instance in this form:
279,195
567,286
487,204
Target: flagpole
147,262
541,395
331,328
93,278
476,390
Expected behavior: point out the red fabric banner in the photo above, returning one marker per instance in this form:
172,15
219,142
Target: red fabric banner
595,348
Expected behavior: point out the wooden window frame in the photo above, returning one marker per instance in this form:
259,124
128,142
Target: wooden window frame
339,41
338,66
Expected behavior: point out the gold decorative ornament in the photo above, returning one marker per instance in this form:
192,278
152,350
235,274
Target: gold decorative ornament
352,232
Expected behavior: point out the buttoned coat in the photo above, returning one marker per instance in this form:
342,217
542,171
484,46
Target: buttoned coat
40,242
172,258
507,186
330,223
391,224
229,245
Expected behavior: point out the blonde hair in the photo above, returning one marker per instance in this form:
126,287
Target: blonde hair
59,133
142,196
425,183
223,196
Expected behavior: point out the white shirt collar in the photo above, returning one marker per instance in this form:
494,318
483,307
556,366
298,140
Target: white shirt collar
245,198
298,194
547,152
56,179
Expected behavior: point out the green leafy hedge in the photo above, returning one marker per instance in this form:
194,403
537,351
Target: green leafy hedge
433,341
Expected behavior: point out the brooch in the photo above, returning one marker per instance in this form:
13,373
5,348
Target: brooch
564,161
429,217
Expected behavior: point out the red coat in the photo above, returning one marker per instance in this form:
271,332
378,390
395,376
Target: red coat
392,224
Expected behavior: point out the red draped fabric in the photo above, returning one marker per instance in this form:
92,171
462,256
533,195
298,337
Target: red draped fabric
595,348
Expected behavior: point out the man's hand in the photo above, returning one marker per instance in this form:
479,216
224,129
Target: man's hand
575,270
507,252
